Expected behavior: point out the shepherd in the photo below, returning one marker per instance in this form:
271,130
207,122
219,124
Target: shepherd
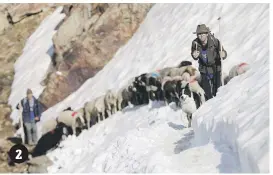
207,50
31,113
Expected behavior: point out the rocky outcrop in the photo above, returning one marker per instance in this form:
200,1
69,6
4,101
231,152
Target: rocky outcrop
88,38
4,23
12,39
17,12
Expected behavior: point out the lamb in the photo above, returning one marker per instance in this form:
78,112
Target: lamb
194,85
72,119
190,102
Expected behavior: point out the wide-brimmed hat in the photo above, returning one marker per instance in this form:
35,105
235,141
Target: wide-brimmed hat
201,28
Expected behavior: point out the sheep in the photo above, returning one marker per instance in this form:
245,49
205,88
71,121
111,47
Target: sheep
179,71
153,86
185,63
194,85
71,118
48,125
99,107
176,71
125,95
110,102
140,96
165,71
189,102
169,88
89,108
237,70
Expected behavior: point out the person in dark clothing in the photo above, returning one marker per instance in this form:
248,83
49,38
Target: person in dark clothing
207,50
31,115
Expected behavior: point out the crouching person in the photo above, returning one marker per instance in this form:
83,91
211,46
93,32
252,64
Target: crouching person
31,113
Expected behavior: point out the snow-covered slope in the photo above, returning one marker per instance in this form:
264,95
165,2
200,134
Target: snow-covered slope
240,118
231,130
164,39
141,141
31,67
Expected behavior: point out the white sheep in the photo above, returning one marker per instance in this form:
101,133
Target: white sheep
89,108
99,107
237,70
124,94
188,102
179,71
48,125
194,85
71,118
110,102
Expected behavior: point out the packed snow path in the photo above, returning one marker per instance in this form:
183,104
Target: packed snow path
231,131
141,140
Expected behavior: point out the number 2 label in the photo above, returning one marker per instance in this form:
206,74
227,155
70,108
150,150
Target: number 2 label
19,155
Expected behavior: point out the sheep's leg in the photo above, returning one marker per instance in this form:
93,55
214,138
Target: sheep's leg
149,99
130,104
165,98
114,108
74,129
99,116
189,117
108,113
109,109
103,114
203,99
119,105
88,118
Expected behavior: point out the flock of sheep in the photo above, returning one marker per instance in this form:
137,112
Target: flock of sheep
172,84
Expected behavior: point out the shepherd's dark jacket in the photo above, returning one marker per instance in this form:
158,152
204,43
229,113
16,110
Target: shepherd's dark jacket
26,111
214,60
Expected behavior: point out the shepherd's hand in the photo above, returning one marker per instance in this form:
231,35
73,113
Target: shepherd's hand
222,54
195,54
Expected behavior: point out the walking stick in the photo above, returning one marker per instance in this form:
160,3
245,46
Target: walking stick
222,65
21,122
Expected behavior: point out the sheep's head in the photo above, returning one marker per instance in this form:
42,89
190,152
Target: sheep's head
191,70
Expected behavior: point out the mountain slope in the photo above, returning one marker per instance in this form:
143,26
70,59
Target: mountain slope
144,140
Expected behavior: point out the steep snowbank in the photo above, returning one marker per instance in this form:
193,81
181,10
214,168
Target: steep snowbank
239,117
